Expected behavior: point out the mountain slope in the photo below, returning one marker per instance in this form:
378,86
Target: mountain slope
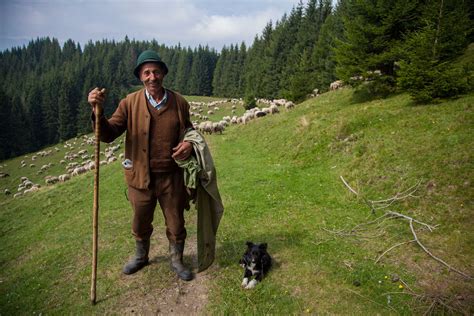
279,177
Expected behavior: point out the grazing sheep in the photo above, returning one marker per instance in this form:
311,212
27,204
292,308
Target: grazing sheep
27,184
217,127
4,175
64,177
7,192
79,170
336,85
17,194
51,179
260,113
289,105
205,127
274,109
32,189
90,165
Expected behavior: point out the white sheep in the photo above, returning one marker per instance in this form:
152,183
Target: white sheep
64,177
274,109
289,105
32,189
51,179
336,85
78,170
217,127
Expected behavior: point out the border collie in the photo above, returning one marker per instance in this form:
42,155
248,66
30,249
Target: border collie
256,262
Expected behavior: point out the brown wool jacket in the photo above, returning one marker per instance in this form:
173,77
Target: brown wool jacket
132,115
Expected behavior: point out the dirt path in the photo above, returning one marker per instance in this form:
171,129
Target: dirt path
178,297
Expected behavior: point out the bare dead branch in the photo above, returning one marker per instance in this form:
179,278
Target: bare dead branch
355,228
401,195
433,256
394,246
396,214
348,186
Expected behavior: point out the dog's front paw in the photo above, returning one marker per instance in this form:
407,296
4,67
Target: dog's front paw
245,281
251,284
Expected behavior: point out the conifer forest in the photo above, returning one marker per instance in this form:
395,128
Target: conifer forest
379,47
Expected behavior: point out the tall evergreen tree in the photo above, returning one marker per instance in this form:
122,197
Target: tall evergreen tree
20,129
6,131
425,69
374,31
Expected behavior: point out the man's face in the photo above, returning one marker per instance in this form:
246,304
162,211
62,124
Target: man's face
152,77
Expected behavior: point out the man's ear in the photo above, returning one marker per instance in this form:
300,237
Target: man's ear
249,244
263,246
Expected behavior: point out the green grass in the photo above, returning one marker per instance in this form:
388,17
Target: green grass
279,180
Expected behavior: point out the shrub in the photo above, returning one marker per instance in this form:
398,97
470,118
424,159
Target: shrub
250,102
426,81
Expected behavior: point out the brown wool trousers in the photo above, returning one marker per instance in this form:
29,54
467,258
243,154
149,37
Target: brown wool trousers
169,190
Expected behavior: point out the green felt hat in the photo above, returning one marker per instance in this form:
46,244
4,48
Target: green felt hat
149,56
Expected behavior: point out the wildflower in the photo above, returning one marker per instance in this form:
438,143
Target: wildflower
400,286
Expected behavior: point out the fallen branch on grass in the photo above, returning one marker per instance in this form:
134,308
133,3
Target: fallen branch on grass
394,246
387,202
350,233
433,256
396,214
381,204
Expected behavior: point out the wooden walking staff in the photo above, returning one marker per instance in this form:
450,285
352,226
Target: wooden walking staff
95,209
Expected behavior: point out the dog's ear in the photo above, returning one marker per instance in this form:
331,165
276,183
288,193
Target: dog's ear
249,244
263,246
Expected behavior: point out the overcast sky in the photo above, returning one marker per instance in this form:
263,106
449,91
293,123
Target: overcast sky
189,22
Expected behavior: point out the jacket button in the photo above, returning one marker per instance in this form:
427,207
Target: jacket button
144,150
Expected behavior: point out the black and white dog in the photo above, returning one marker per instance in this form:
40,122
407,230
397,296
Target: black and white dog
256,261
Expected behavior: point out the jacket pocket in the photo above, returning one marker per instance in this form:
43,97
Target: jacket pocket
129,175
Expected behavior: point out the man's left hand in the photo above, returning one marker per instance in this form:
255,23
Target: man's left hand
182,151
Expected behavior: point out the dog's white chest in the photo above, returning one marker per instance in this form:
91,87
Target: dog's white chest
252,268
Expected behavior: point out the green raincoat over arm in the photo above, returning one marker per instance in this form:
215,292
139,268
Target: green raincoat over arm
200,174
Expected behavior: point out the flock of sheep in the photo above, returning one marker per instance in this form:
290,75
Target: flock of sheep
74,162
202,123
77,160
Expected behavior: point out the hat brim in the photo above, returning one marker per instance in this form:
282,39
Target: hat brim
136,72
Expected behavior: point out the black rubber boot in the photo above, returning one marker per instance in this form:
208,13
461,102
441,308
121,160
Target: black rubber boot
141,257
176,255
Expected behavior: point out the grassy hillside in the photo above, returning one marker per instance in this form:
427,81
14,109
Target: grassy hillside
279,178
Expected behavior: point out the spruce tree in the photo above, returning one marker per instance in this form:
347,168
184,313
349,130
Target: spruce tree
374,31
6,131
425,71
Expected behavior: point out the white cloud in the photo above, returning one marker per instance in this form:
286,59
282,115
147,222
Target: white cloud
231,28
189,22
